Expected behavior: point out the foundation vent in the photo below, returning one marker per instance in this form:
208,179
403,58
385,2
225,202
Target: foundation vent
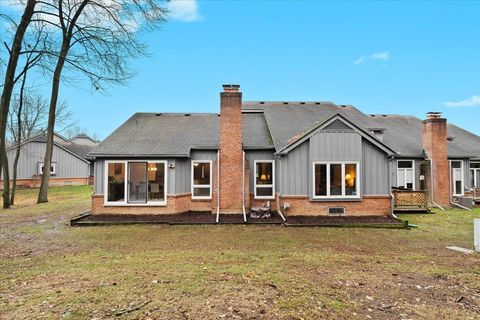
336,211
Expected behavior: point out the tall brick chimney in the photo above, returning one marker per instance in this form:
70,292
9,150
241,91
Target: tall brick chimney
435,145
231,151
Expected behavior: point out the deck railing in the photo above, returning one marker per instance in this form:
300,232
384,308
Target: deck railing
408,198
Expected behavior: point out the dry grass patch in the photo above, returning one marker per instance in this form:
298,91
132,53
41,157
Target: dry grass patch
50,270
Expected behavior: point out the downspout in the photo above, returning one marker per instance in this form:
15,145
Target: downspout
390,186
243,188
279,194
431,185
218,187
451,191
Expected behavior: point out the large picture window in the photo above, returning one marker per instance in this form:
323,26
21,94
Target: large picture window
475,174
406,174
336,180
135,182
201,179
264,179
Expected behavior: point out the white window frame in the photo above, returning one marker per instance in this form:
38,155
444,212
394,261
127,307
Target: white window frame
41,165
343,196
125,202
193,186
264,185
452,182
405,174
475,172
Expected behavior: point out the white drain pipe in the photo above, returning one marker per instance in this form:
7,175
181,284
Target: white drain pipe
278,195
218,187
243,188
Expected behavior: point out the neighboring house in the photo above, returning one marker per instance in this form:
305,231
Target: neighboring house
70,165
309,158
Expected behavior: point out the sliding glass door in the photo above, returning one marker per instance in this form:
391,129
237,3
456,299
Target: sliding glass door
137,182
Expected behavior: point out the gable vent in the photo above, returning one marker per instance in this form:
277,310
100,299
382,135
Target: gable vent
336,211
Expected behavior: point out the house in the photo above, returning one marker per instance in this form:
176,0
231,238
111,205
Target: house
70,165
305,158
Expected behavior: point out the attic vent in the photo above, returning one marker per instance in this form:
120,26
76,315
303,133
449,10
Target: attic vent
285,102
187,114
450,138
336,211
158,114
317,102
261,102
302,102
384,115
372,115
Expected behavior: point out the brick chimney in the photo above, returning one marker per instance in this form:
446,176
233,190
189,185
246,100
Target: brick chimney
231,151
435,145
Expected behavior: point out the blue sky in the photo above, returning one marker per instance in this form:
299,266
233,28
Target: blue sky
382,57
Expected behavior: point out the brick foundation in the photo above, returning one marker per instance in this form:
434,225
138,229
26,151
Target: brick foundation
175,204
370,205
53,182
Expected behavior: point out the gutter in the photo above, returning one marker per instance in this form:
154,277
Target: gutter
243,188
218,187
279,194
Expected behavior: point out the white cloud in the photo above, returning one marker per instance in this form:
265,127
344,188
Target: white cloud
470,102
380,56
184,10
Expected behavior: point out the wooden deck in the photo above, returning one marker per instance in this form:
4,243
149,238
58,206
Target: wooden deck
407,201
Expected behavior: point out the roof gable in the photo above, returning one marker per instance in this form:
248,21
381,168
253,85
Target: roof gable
336,121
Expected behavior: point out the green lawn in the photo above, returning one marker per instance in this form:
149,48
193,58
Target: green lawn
51,270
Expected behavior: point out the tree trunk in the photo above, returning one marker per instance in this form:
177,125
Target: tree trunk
47,162
19,139
7,94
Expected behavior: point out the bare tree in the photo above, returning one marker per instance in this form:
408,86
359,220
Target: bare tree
8,84
28,117
96,38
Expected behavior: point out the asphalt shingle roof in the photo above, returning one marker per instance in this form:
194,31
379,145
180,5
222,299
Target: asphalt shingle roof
267,125
404,134
289,121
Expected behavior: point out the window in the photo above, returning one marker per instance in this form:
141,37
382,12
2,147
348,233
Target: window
53,168
457,177
264,179
201,179
336,180
135,182
475,174
406,174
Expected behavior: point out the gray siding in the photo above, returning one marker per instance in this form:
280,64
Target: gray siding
251,156
98,178
332,146
182,176
374,175
67,165
204,155
294,171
